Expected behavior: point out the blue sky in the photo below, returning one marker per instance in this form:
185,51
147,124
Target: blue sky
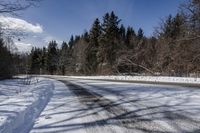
61,18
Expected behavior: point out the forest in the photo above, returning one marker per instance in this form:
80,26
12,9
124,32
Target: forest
110,48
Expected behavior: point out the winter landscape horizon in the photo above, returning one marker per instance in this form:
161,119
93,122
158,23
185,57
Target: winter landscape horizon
93,66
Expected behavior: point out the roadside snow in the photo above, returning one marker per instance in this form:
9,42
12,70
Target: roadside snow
48,105
154,79
62,111
21,104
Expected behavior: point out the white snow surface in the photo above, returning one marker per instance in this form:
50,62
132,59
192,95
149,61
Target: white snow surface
142,108
153,79
151,108
20,104
50,106
65,114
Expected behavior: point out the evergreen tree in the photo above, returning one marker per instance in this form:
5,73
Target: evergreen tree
63,62
52,57
92,49
122,32
130,36
71,42
140,34
86,36
35,62
6,61
122,37
109,39
43,63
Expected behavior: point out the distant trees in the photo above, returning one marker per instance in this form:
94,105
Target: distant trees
180,38
6,66
35,60
91,62
52,57
108,43
10,62
63,60
109,47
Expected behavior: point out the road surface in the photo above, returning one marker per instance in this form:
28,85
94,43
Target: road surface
92,106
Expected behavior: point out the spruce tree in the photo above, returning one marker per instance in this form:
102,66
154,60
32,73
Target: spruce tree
35,61
140,34
122,34
130,36
92,49
71,42
6,61
52,57
109,39
63,62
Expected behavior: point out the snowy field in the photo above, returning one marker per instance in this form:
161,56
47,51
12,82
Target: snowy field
20,104
73,105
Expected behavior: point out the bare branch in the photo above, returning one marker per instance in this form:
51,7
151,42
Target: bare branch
13,6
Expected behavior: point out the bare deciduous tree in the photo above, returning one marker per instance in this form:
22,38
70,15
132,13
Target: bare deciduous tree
13,6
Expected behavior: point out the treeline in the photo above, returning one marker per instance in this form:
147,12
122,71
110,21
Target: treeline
111,48
11,63
98,51
5,61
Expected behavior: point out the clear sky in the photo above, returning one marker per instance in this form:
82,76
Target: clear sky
61,18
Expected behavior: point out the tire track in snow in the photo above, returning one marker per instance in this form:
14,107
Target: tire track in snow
172,121
117,115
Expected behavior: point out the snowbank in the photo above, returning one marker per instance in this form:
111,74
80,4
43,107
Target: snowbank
154,79
18,112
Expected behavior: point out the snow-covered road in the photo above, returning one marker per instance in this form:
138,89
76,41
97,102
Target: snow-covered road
99,106
93,106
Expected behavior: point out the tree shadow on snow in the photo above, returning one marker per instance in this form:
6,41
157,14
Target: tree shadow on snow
156,109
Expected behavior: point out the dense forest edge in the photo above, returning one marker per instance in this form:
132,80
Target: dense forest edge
110,48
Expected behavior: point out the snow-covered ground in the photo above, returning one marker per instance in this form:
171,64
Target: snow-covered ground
78,104
20,104
150,79
149,108
66,114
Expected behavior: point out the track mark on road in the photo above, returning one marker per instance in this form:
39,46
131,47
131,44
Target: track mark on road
117,114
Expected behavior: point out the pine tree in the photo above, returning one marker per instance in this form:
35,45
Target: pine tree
43,60
6,61
140,34
34,61
63,62
86,36
122,36
52,57
109,39
122,32
92,49
130,36
71,42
